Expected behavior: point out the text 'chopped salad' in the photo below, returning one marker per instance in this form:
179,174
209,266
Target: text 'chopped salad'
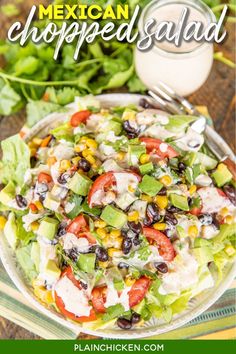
117,215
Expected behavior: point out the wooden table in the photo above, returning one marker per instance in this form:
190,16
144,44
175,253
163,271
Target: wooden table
218,94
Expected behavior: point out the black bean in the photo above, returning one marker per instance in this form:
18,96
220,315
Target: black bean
101,254
126,245
181,167
41,188
147,222
145,103
42,197
62,179
123,323
153,212
167,232
84,285
84,164
163,191
21,201
136,240
129,129
205,219
135,227
215,221
123,265
33,161
231,193
135,318
161,267
73,254
170,219
173,209
61,229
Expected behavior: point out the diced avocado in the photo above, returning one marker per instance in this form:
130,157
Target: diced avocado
124,200
203,254
180,231
179,201
146,168
52,270
150,186
23,256
190,158
7,193
48,228
114,126
86,262
51,202
134,153
208,162
35,254
201,242
113,217
80,184
222,175
10,230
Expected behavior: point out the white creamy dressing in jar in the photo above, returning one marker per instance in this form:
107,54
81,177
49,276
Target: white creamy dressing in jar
75,300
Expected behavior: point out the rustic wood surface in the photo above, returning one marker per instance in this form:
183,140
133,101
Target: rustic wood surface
218,94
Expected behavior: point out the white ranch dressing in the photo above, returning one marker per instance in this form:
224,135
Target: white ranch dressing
71,241
75,300
113,298
212,201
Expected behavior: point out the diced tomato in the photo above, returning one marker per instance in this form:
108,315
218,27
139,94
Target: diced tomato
33,207
138,291
195,211
79,117
221,193
105,181
153,147
44,178
162,242
99,298
61,306
79,228
46,141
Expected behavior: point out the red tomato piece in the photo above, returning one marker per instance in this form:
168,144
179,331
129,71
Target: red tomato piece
138,291
195,211
79,117
33,207
61,306
162,242
99,298
153,147
79,228
44,178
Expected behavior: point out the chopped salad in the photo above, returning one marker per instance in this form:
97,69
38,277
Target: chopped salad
117,215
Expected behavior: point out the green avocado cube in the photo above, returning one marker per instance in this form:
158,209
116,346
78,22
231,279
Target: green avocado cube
200,242
80,184
86,262
48,227
150,186
113,217
146,168
222,175
203,255
114,126
190,158
52,269
134,153
7,193
179,201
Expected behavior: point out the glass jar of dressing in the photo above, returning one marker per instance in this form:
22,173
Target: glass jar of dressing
183,68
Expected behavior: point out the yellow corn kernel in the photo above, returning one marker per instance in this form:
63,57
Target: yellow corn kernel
100,224
91,143
75,160
3,221
51,160
115,233
79,148
111,251
193,231
101,232
90,159
120,156
103,264
229,250
160,226
33,152
86,152
31,145
65,165
166,180
131,189
146,198
224,211
161,201
118,242
221,167
83,139
229,219
37,141
94,166
39,205
129,115
144,158
129,281
133,216
34,226
43,294
192,189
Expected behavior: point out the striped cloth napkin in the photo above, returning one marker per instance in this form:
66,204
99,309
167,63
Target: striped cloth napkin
218,322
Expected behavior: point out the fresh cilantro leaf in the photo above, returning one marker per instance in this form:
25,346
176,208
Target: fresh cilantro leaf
113,312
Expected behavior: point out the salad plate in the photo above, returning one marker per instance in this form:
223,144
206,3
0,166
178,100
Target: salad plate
202,295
